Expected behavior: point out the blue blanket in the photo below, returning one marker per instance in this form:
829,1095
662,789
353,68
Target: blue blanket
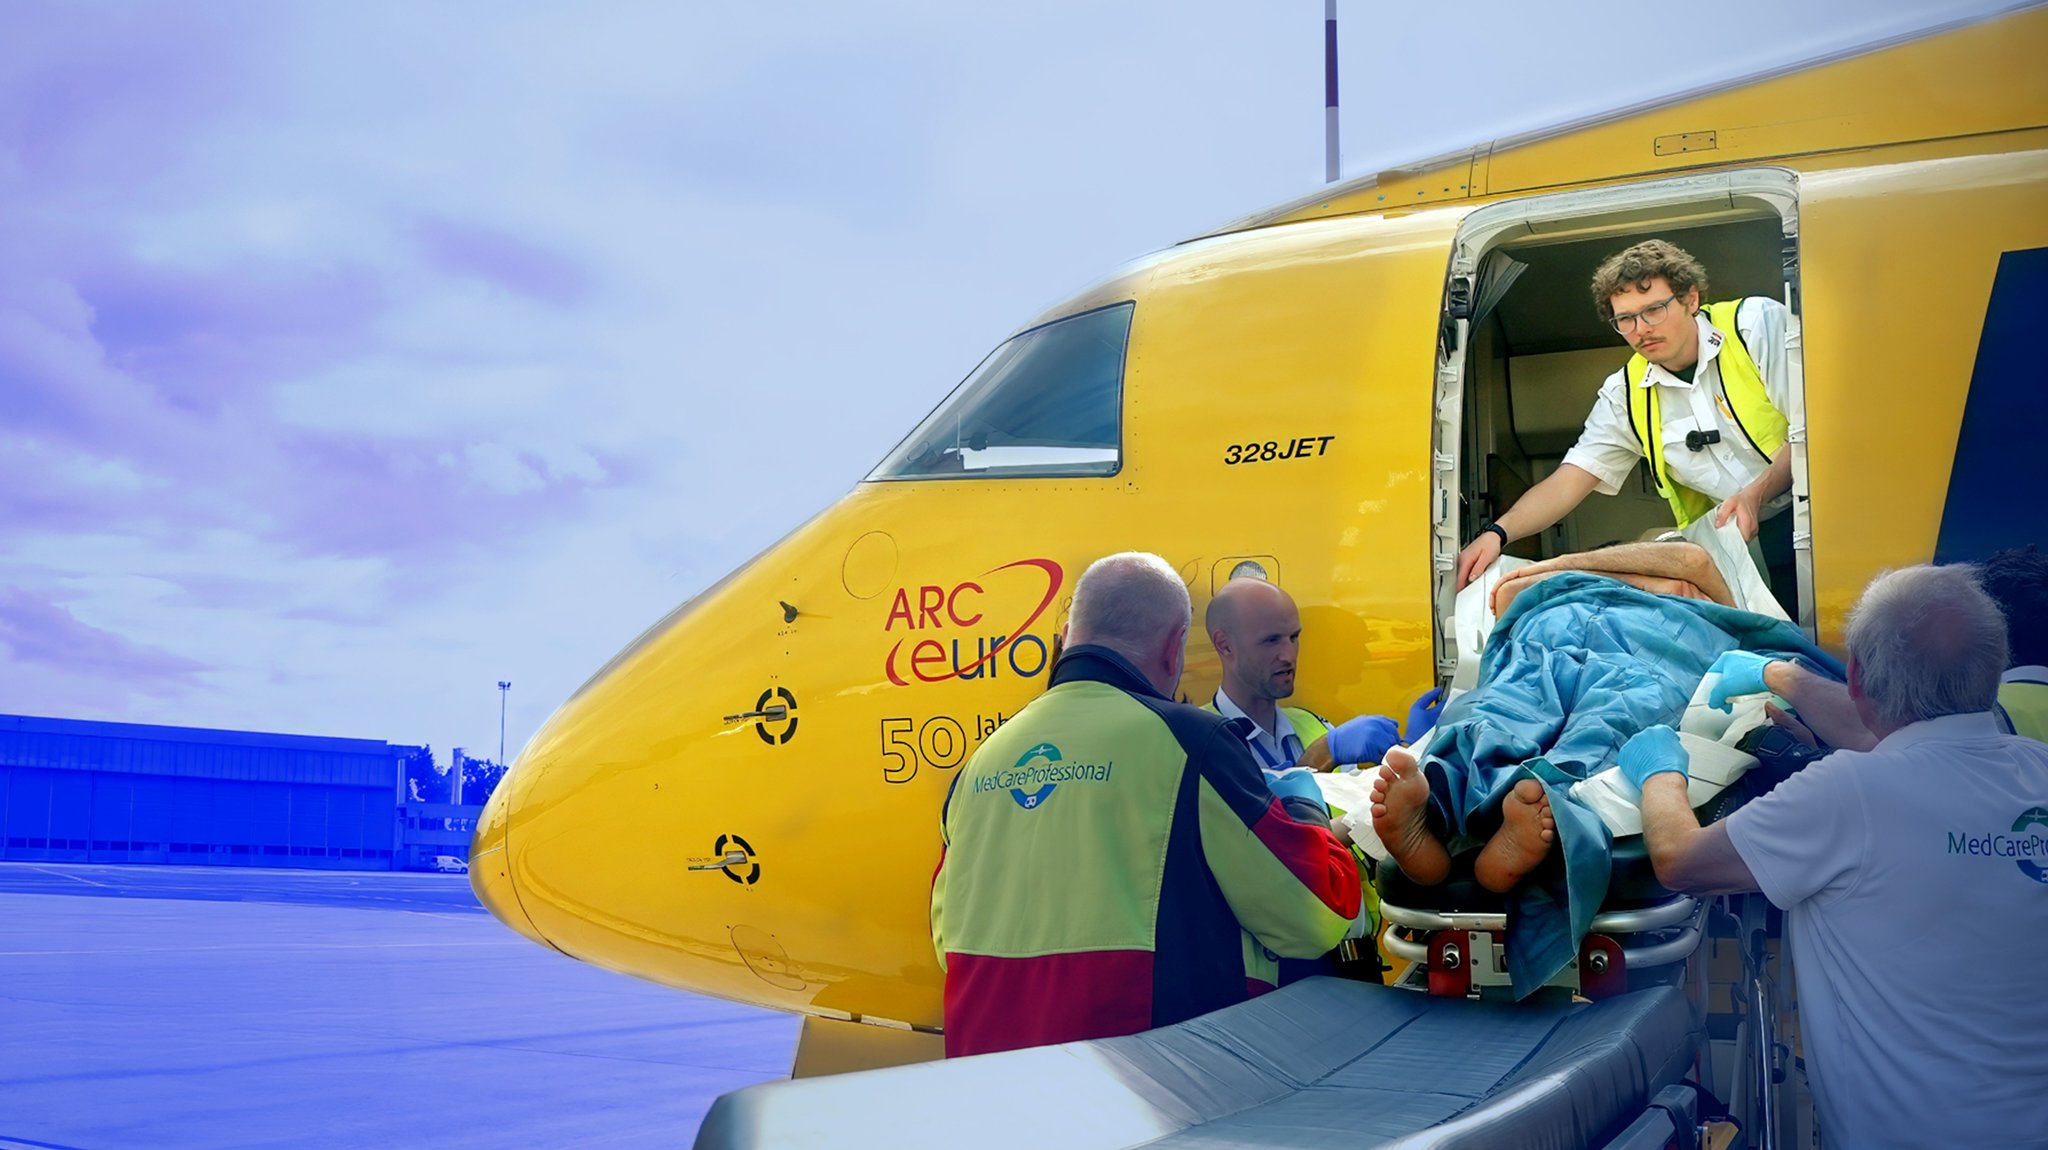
1577,665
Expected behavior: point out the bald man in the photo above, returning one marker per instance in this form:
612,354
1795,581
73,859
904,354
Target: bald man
1256,631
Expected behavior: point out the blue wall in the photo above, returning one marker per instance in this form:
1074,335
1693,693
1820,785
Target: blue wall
78,791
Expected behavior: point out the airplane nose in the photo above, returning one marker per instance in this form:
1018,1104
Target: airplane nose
490,865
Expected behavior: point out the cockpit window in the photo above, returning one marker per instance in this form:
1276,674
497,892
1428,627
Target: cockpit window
1048,402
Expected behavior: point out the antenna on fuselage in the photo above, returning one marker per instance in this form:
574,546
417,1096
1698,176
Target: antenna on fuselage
1330,91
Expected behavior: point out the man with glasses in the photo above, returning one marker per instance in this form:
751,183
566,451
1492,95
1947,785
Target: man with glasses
1703,399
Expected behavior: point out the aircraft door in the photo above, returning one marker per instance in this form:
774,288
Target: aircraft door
1282,403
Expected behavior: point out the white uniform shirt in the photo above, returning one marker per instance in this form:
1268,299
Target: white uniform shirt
1608,447
1914,880
1276,749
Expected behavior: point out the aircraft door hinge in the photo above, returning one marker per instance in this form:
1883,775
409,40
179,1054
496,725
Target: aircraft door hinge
1457,310
1788,253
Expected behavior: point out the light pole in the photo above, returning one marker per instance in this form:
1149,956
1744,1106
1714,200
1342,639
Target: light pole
504,687
1331,168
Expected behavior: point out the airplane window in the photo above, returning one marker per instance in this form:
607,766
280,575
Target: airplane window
1048,402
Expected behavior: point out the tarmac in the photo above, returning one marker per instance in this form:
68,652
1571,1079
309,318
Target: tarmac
172,1007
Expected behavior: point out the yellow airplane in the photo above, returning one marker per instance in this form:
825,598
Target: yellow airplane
744,802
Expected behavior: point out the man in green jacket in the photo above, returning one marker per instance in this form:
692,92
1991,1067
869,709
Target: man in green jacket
1113,860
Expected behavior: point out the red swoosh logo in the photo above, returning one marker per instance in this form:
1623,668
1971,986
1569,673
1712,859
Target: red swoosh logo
1054,576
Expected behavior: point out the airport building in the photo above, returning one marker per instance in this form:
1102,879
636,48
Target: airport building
74,790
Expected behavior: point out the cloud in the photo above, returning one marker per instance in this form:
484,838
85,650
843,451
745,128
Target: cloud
54,378
40,633
847,130
203,338
413,499
518,266
212,589
99,103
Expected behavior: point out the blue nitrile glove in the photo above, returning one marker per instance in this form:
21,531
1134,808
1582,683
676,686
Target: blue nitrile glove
1652,751
1742,673
1300,795
1422,716
1364,739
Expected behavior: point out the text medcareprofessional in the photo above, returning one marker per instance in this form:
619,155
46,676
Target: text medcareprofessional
1038,774
2002,846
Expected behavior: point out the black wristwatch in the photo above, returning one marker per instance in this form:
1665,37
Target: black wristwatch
1497,529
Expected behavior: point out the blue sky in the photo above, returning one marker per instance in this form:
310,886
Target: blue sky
355,357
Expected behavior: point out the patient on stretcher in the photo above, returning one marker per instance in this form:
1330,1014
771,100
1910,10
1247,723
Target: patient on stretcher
1400,794
1580,660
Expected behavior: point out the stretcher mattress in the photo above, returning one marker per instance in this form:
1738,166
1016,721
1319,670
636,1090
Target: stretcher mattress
1321,1063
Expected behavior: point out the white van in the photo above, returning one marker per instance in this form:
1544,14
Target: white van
449,864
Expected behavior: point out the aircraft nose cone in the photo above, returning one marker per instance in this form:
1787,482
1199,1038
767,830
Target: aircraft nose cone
490,865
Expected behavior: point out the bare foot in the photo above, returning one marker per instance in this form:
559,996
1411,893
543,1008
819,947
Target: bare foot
1527,832
1400,816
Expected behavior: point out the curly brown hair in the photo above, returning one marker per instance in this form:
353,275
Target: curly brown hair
1638,265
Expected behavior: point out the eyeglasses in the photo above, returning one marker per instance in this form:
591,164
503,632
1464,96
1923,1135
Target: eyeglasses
1650,316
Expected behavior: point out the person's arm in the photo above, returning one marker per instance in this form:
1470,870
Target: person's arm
1316,756
1292,885
1687,856
1746,506
1823,705
1538,508
939,909
938,912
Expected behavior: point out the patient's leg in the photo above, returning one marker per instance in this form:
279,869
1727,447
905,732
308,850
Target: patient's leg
1527,832
1400,816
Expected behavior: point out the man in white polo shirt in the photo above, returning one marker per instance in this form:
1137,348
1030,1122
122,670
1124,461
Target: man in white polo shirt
1913,876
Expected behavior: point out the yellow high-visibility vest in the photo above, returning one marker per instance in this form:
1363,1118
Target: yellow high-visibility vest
2023,708
1308,726
1742,386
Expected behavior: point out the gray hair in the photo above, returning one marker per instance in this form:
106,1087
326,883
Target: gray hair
1927,642
1129,602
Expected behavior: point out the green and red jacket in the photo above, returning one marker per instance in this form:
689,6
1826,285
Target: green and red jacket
1106,853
